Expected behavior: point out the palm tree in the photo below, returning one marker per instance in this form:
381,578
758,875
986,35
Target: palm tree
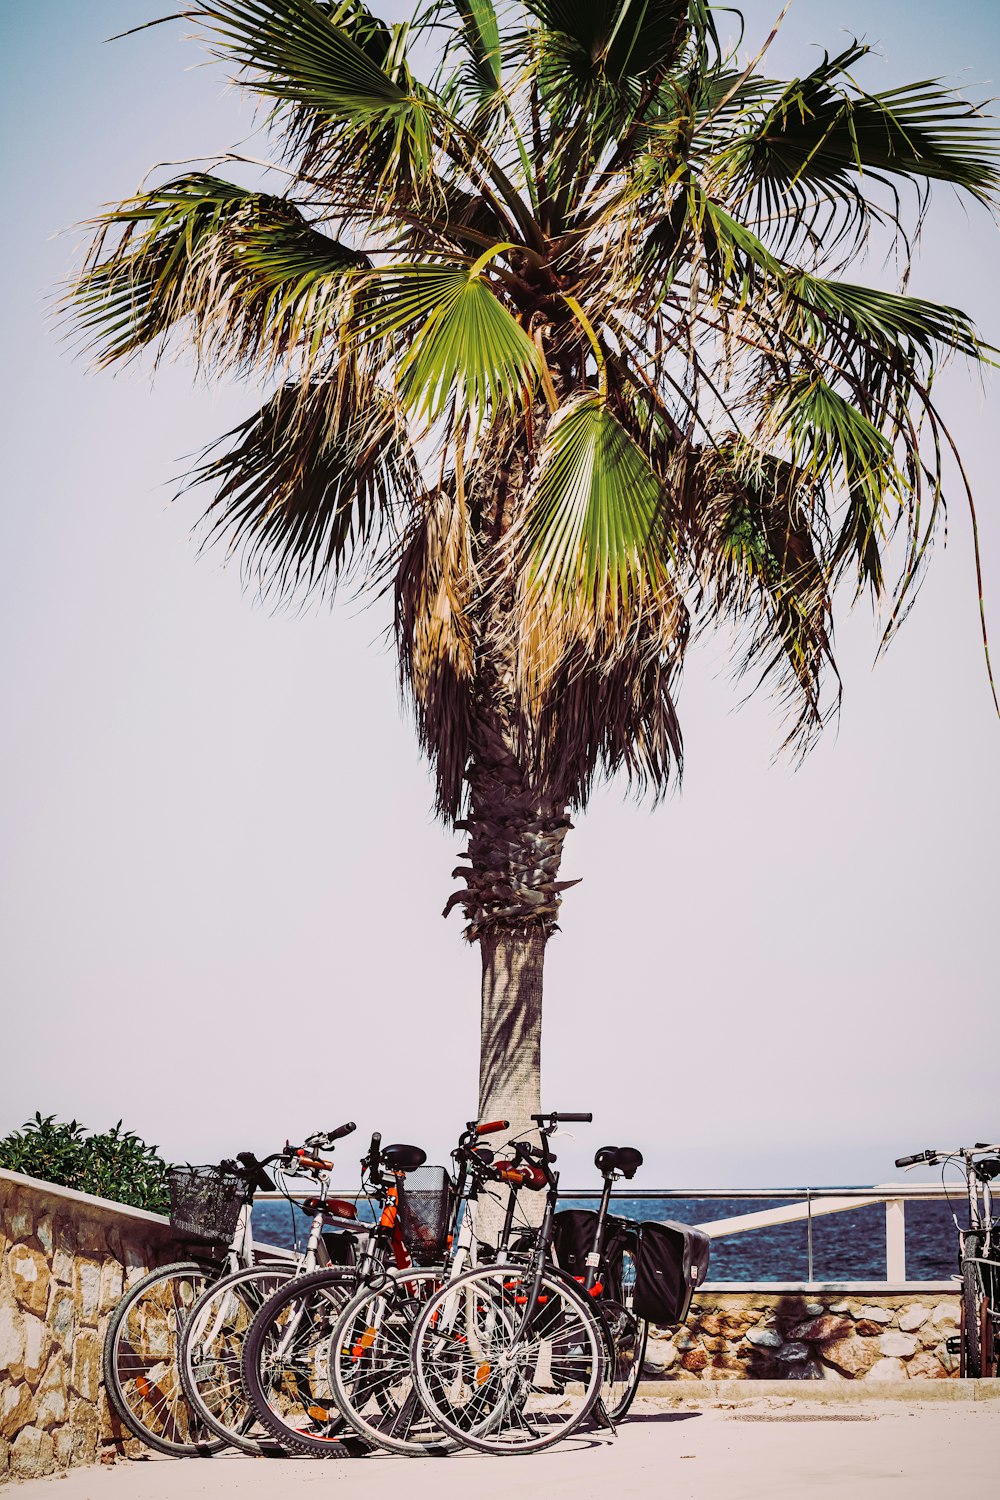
557,347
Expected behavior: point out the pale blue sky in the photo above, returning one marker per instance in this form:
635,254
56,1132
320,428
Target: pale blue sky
222,882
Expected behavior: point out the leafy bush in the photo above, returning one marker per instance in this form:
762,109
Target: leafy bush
115,1164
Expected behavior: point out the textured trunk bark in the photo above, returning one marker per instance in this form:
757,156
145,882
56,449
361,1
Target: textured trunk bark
510,1050
511,1026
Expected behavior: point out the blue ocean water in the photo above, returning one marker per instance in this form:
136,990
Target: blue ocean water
846,1246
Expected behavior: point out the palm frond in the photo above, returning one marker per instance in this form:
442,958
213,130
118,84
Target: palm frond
254,279
306,485
464,346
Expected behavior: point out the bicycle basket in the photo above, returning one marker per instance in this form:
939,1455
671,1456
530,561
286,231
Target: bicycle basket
427,1200
205,1202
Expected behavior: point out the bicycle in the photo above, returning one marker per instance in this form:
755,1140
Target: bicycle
212,1337
978,1255
286,1359
140,1365
511,1358
370,1349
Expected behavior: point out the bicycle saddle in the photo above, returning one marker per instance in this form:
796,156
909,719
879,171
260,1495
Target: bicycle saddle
403,1158
624,1159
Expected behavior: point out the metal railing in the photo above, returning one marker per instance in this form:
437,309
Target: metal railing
798,1205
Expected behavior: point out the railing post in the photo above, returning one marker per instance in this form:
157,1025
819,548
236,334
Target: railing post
895,1240
809,1234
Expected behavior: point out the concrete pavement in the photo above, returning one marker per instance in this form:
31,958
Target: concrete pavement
772,1449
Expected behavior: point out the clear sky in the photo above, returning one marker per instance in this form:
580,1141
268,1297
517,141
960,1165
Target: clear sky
222,882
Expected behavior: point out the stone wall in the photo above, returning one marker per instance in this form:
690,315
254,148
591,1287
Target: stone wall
65,1259
806,1335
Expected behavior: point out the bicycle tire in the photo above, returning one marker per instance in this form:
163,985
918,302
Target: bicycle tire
973,1297
468,1344
626,1350
286,1387
211,1348
371,1371
132,1373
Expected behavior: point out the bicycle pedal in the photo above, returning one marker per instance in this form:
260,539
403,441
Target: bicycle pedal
954,1344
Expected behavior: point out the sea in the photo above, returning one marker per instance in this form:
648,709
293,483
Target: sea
847,1246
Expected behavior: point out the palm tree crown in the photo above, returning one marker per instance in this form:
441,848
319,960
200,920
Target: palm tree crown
562,351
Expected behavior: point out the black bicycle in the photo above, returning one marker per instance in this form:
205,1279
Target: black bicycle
978,1252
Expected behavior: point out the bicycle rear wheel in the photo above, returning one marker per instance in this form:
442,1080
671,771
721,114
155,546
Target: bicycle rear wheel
286,1363
141,1361
498,1381
211,1348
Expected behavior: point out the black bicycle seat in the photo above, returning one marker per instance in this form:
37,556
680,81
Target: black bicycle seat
403,1158
624,1159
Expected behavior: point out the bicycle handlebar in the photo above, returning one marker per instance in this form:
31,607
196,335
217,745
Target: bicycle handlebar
560,1117
371,1161
253,1170
491,1127
934,1156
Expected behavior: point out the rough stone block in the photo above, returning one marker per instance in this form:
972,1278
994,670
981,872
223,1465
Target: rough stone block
112,1283
87,1289
37,1343
818,1330
898,1345
84,1420
32,1453
11,1340
694,1361
62,1265
851,1356
43,1232
764,1338
946,1315
913,1317
15,1409
64,1441
659,1356
927,1366
882,1315
62,1318
868,1328
793,1353
86,1370
29,1275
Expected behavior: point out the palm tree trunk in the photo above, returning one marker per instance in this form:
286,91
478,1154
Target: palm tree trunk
511,1026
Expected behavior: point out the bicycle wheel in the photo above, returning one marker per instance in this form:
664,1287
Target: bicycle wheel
624,1353
972,1314
501,1382
371,1370
211,1348
286,1363
141,1364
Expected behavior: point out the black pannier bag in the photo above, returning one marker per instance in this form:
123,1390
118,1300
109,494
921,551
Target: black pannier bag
573,1239
671,1262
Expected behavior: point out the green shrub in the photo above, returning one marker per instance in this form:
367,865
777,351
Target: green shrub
115,1164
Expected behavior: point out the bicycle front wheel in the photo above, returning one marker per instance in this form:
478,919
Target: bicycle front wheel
286,1363
371,1369
142,1365
501,1374
211,1348
973,1298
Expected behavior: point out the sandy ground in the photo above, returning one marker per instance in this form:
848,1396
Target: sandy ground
765,1451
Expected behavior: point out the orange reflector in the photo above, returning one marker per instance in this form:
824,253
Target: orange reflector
318,1413
482,1374
368,1337
143,1386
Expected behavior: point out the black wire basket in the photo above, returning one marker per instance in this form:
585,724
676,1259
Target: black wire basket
205,1202
427,1200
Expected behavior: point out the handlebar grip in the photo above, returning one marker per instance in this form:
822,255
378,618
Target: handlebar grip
374,1150
342,1130
587,1118
492,1126
911,1161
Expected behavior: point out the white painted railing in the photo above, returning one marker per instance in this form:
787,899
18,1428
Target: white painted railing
799,1205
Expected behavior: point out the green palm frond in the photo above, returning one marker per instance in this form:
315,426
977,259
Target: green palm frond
252,276
594,534
466,347
825,133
